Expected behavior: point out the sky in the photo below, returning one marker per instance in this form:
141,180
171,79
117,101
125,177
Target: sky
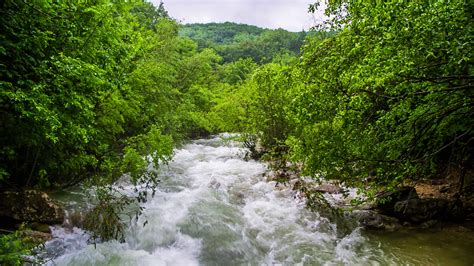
291,15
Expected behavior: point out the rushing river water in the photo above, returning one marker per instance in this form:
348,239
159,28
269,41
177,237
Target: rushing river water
214,208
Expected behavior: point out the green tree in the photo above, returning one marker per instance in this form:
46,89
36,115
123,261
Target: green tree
389,96
66,105
239,41
91,91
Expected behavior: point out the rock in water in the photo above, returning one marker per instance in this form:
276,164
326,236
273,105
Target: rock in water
386,200
421,210
329,188
30,206
36,236
373,220
39,227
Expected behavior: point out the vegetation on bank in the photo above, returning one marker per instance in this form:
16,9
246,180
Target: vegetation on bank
378,94
13,249
386,99
90,91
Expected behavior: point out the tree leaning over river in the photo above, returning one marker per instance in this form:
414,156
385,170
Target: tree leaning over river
390,96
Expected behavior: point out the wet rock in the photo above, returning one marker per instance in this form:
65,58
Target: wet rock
40,227
329,188
421,210
214,184
36,236
30,206
429,224
75,219
376,221
386,200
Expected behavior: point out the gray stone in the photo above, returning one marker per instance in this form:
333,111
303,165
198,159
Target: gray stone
30,206
386,200
376,221
329,188
429,224
36,236
420,210
44,228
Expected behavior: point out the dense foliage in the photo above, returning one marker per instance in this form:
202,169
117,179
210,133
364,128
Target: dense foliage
13,249
387,97
390,96
91,91
237,41
88,89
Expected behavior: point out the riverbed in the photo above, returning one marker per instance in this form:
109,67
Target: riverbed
213,207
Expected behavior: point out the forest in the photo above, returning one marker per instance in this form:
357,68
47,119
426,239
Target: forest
376,96
239,41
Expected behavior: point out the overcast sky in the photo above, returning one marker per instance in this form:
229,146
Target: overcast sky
287,14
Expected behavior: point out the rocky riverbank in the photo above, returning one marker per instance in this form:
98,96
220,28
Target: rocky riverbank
429,204
31,211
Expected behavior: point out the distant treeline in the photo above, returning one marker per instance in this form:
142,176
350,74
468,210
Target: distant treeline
234,41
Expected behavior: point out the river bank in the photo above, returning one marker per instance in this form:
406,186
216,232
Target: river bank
213,207
421,204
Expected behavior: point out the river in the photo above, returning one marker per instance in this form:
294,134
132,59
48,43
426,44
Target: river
215,208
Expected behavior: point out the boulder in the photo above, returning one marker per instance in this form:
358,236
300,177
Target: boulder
421,210
329,188
375,221
39,227
30,206
386,200
430,224
35,237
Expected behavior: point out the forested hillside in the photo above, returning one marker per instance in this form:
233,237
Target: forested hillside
235,41
209,34
376,96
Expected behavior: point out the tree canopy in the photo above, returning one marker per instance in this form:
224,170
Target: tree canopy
235,41
390,95
89,89
384,96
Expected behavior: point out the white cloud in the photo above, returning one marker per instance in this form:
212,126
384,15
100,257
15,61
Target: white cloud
290,14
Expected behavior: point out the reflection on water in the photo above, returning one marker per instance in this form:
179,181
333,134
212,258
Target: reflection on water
451,245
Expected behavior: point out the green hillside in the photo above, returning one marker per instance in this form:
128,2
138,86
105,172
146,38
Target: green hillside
233,41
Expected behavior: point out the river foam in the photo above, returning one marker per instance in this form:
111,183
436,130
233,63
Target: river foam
215,208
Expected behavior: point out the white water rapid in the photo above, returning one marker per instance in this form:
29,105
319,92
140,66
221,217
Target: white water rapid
215,208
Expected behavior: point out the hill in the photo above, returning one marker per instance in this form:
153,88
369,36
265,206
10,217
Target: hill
233,41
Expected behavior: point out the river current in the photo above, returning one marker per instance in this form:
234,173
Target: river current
215,208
